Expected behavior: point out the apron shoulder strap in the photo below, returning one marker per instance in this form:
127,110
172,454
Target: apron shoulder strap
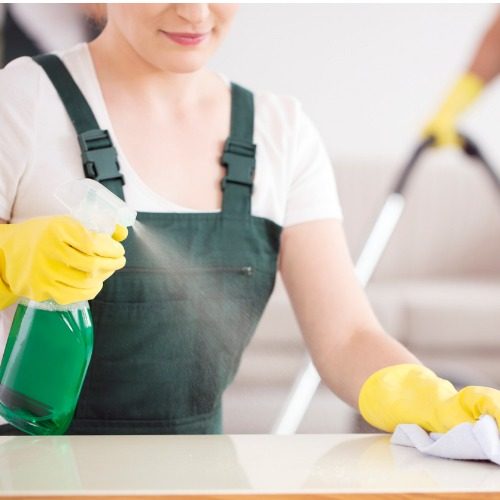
239,155
99,157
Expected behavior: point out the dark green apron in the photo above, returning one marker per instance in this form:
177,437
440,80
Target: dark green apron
170,328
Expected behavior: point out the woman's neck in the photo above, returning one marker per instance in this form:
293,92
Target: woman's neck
117,63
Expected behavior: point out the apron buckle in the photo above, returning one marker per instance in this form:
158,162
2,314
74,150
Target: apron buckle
100,159
226,179
239,148
239,159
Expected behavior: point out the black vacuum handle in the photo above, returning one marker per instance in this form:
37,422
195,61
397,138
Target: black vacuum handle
469,147
404,176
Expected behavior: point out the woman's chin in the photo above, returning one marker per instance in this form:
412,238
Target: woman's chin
183,64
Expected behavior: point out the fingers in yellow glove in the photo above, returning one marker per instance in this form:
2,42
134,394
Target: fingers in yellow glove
121,233
56,257
64,294
88,263
74,235
75,278
475,401
73,284
443,125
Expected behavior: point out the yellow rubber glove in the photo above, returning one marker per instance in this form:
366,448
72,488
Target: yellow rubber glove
443,125
413,394
120,233
56,258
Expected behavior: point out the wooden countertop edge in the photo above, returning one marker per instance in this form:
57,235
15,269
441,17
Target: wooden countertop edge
253,496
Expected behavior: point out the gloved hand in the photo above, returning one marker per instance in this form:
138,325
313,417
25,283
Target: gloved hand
56,258
443,125
413,394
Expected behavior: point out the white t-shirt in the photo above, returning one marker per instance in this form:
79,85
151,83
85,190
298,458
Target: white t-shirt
293,183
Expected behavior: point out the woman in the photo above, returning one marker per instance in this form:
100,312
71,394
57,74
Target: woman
171,326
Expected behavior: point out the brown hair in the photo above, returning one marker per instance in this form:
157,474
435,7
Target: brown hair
96,12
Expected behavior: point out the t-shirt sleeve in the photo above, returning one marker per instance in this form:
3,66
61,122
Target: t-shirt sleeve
312,193
18,94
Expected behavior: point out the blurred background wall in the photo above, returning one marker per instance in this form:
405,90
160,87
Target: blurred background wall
369,75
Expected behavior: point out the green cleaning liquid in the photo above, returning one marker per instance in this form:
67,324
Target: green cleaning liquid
44,365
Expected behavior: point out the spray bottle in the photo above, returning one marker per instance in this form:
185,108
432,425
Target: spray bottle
50,345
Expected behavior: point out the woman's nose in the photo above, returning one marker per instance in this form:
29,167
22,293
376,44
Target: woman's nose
193,12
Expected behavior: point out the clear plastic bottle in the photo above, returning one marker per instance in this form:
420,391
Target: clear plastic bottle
49,345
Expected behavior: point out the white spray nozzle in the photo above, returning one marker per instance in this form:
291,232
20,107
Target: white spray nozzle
94,206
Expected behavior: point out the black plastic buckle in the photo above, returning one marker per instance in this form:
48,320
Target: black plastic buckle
238,148
226,179
239,159
100,159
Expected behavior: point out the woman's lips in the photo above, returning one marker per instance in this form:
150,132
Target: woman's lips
187,39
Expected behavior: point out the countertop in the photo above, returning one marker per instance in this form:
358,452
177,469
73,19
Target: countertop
334,466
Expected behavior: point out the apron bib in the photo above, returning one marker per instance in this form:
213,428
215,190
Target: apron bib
170,328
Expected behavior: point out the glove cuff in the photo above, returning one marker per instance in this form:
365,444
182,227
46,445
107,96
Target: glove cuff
465,91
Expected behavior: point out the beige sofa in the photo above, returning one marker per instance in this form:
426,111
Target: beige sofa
436,289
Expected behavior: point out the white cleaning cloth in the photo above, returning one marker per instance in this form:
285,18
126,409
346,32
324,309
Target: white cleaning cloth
476,441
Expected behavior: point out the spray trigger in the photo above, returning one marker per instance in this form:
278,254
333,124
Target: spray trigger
95,206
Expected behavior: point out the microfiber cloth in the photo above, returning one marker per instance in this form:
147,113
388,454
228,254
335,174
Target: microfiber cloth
467,441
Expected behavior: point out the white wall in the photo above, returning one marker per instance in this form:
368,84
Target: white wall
369,75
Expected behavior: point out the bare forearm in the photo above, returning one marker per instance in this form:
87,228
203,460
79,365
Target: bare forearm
486,62
345,339
345,368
